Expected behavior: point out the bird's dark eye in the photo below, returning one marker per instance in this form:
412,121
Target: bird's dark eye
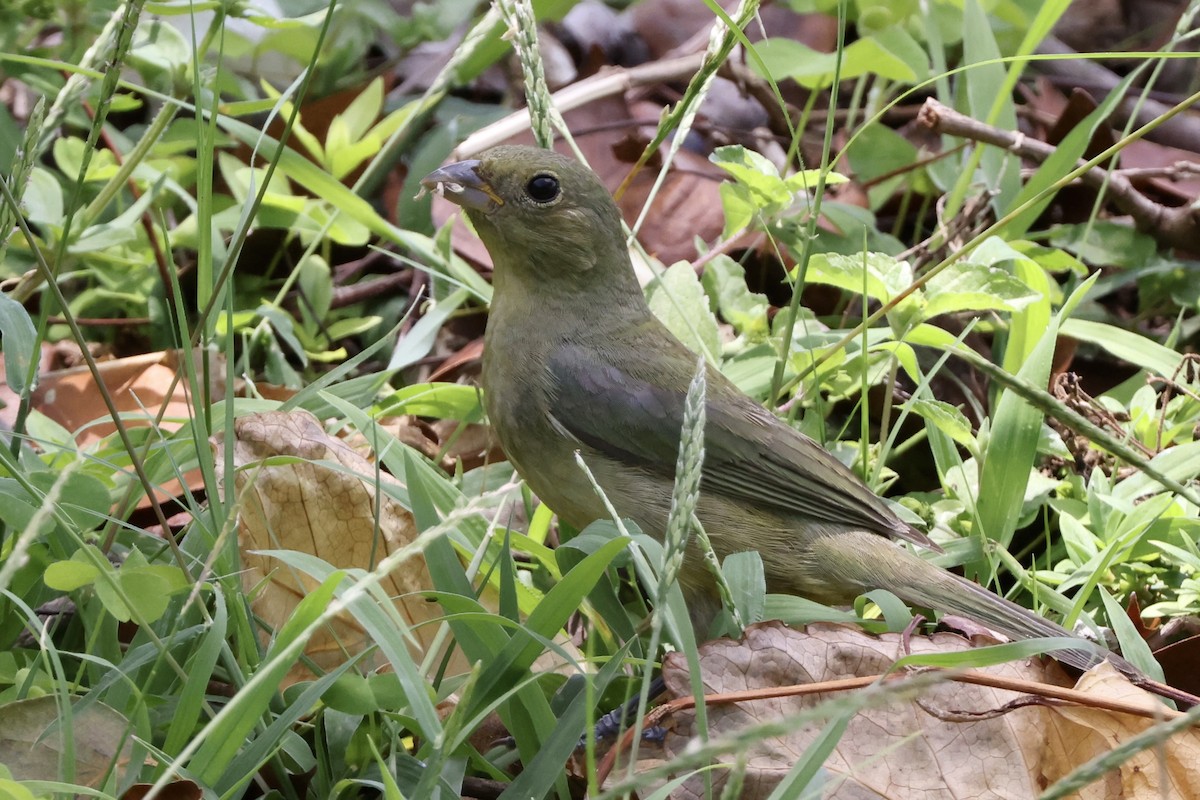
542,188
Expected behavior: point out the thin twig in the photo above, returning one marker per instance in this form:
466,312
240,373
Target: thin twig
1172,226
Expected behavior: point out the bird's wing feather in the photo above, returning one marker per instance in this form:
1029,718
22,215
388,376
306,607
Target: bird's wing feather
750,455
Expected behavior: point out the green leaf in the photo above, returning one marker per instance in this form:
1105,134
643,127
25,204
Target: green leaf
948,419
43,201
351,326
362,112
84,500
678,300
1181,462
160,51
351,694
737,202
1016,424
784,58
1106,243
1064,159
417,343
321,184
968,286
885,277
316,286
544,622
67,576
439,400
899,44
283,328
725,281
147,588
747,583
877,150
753,171
1126,345
988,101
19,339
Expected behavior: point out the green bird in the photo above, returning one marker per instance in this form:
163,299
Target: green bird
575,361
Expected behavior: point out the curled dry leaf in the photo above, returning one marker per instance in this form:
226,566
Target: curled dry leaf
148,389
142,387
313,508
955,740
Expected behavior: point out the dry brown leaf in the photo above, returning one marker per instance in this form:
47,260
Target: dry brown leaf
32,743
936,747
1084,733
330,513
141,387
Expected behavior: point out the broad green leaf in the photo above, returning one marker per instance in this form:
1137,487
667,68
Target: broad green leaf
725,281
784,58
1106,243
875,16
737,202
67,576
679,301
884,278
351,694
43,201
967,286
147,588
877,150
18,337
160,50
84,500
751,168
948,419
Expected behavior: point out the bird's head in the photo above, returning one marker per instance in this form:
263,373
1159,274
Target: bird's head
538,212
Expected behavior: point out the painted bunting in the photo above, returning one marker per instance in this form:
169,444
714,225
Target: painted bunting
575,361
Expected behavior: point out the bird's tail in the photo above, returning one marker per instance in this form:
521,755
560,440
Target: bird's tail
950,593
919,582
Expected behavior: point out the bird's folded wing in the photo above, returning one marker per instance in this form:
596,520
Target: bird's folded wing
750,455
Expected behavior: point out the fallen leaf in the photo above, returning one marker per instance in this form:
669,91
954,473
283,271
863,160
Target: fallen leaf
330,513
32,740
144,389
141,388
956,740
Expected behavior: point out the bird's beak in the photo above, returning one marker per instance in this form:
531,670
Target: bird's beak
460,183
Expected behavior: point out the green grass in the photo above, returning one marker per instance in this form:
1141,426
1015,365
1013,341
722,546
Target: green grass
164,652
